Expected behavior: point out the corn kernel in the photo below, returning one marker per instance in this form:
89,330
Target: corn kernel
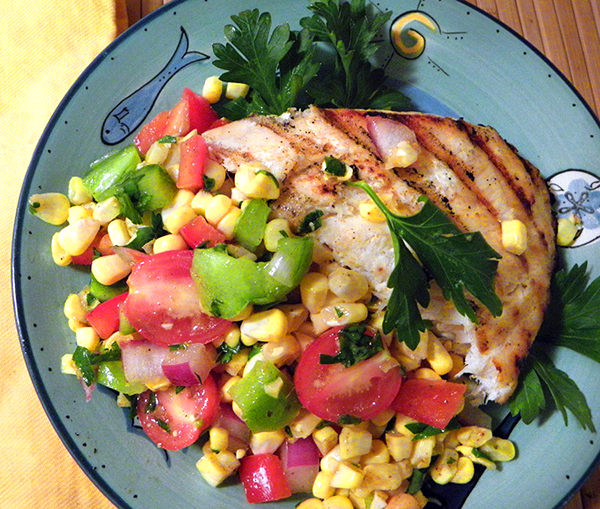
382,476
310,503
499,449
470,453
235,90
325,439
354,442
181,198
275,230
215,468
514,236
110,268
237,363
445,467
422,452
322,485
348,285
296,315
218,438
400,425
228,223
403,501
347,475
88,338
313,291
254,181
118,232
77,237
269,325
426,374
73,308
200,200
217,208
78,193
79,212
179,218
474,436
438,357
465,471
402,155
52,208
369,211
212,89
337,502
169,242
67,366
379,453
282,352
107,210
267,441
566,231
399,446
157,153
344,313
217,173
304,424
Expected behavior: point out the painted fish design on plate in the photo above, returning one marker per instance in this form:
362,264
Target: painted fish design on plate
129,114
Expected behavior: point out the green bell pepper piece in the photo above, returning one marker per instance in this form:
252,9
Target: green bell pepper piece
250,227
110,170
111,375
226,285
104,292
267,398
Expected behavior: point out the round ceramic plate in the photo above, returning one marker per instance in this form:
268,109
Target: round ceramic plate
449,58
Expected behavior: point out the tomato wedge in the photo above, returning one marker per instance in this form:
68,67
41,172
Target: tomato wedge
174,420
152,131
194,154
191,112
199,231
332,391
163,304
104,318
432,402
263,478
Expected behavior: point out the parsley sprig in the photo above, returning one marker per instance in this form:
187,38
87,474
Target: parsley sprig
356,344
572,321
457,261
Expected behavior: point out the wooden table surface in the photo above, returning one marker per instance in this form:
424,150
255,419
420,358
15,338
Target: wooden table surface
566,31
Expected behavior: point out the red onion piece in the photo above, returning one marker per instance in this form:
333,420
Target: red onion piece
387,134
142,362
239,433
189,365
300,460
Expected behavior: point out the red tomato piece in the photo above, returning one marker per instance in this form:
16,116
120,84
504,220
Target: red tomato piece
331,391
191,112
432,402
163,304
104,318
199,231
178,418
263,478
152,131
193,157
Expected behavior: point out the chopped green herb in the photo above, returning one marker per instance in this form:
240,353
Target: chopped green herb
179,388
256,349
480,454
334,167
227,352
416,481
174,348
268,174
311,222
147,233
168,139
85,361
356,345
288,431
33,206
324,424
152,402
349,419
339,313
422,430
209,183
164,425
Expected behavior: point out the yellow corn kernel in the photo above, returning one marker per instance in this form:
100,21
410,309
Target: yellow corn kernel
412,359
243,314
67,366
200,200
78,193
458,364
77,237
344,313
212,89
254,181
217,208
438,357
235,90
378,454
499,449
405,467
216,467
75,324
215,171
110,268
474,436
403,501
88,338
470,453
123,401
225,396
107,210
402,155
400,425
348,285
325,439
269,325
157,153
383,418
399,446
118,232
330,461
354,442
282,352
181,198
347,475
296,314
52,208
169,242
426,374
422,452
421,499
304,424
310,503
237,363
218,438
514,236
275,230
322,485
313,291
445,467
337,502
267,441
79,212
566,231
227,225
73,308
369,211
465,471
179,218
382,476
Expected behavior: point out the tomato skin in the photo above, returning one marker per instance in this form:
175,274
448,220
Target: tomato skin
104,318
199,230
163,304
432,402
152,131
191,112
263,479
193,157
186,414
331,391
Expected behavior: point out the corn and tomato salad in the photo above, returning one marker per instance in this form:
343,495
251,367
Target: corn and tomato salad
281,368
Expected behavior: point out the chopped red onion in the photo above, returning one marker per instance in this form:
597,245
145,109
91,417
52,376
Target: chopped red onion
300,460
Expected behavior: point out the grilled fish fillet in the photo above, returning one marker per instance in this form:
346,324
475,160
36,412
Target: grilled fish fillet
468,171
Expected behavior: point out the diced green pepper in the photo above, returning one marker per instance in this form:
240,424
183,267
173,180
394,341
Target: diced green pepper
111,375
106,292
226,285
110,170
155,187
266,397
250,227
